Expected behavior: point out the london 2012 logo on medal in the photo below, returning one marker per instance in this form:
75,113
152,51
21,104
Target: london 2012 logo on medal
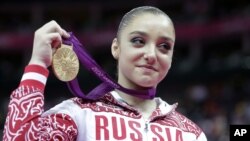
65,63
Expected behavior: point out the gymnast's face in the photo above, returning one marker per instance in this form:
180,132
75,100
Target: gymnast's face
144,51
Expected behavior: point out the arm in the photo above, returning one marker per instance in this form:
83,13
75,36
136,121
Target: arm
24,121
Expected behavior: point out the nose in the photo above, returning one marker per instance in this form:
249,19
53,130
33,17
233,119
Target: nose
150,54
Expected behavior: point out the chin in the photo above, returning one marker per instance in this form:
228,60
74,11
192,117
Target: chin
147,84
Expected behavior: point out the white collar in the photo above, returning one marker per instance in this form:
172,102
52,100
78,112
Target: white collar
164,107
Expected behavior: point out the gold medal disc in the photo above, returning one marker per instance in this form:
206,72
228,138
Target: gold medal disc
65,63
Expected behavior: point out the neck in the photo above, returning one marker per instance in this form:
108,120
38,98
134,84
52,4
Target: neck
145,106
130,88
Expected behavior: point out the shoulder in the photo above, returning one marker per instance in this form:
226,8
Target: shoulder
107,101
75,105
185,123
175,119
66,107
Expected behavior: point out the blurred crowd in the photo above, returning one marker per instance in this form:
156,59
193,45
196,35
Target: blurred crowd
210,75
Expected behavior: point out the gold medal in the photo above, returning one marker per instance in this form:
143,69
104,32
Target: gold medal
65,63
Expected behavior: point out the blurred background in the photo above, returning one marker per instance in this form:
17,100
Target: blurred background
211,68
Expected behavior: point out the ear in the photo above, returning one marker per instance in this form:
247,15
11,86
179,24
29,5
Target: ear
115,49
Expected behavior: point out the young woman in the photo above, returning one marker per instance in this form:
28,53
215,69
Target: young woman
143,49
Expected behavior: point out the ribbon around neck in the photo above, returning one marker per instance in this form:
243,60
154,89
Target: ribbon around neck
107,85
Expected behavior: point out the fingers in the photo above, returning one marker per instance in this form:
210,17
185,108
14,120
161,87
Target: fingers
53,27
46,40
52,33
54,39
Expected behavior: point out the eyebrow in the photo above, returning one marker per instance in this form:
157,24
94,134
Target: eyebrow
139,32
145,34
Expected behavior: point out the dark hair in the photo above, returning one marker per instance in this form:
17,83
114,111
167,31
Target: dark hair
126,19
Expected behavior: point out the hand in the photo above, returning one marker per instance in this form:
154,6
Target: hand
46,39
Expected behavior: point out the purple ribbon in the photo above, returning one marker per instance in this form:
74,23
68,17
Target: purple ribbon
107,85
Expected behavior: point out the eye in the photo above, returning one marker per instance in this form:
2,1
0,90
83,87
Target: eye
164,47
137,41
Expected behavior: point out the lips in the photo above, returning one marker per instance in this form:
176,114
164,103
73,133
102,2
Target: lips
148,67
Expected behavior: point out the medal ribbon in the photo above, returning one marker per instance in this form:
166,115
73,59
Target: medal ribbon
107,85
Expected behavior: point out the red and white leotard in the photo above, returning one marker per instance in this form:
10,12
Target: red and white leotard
109,118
